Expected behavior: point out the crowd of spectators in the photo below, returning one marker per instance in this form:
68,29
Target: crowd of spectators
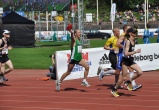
138,14
35,5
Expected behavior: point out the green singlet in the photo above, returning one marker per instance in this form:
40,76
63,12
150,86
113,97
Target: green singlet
76,53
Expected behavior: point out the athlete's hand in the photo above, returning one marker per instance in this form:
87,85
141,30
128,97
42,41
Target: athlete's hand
138,51
10,47
69,27
116,50
112,49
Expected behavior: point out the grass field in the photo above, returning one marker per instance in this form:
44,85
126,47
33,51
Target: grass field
38,57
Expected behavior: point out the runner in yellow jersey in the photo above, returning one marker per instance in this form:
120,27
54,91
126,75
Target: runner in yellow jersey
108,71
111,45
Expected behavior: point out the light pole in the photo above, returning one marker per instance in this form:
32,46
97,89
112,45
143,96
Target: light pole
147,11
111,13
97,14
73,15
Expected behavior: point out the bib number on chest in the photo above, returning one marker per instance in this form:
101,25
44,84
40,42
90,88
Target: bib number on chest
79,49
5,51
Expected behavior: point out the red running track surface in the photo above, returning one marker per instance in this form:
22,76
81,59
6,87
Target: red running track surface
24,92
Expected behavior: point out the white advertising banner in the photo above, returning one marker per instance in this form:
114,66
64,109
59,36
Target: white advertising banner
148,60
93,57
149,57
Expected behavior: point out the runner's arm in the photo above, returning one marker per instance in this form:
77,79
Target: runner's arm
118,44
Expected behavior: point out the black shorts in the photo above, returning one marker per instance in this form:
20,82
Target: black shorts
4,59
128,61
74,62
113,59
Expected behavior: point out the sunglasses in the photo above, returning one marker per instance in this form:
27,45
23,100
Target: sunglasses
7,33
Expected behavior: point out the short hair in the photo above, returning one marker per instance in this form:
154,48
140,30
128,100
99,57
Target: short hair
124,27
75,31
132,30
115,29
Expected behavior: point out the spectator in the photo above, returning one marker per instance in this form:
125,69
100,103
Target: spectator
153,18
157,31
146,35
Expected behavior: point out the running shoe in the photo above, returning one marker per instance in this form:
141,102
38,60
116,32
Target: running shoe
101,76
58,83
135,87
4,78
85,83
128,85
1,79
114,92
99,70
119,87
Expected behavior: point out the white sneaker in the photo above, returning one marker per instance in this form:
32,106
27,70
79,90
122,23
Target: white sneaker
85,83
58,83
101,76
135,87
1,79
99,70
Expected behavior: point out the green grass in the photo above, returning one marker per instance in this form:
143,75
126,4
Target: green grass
38,57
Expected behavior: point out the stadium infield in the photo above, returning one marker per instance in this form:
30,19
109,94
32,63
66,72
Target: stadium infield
24,92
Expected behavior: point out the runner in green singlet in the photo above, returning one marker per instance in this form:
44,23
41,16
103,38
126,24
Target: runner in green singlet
75,58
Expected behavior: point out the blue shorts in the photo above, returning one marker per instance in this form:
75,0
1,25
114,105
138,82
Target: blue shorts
119,60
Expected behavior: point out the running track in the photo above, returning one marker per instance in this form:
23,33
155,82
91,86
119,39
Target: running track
24,92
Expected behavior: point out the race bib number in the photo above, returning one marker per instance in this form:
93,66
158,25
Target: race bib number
5,51
116,51
79,49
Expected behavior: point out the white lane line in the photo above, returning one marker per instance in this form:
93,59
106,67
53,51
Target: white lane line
11,107
98,104
63,97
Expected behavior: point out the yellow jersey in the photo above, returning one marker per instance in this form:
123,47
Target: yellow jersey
111,42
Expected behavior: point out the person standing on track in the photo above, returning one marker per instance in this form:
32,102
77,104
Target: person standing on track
75,58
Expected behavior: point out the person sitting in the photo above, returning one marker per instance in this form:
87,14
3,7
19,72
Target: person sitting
52,68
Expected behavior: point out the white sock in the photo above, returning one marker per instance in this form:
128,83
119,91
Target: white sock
109,72
84,80
131,75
